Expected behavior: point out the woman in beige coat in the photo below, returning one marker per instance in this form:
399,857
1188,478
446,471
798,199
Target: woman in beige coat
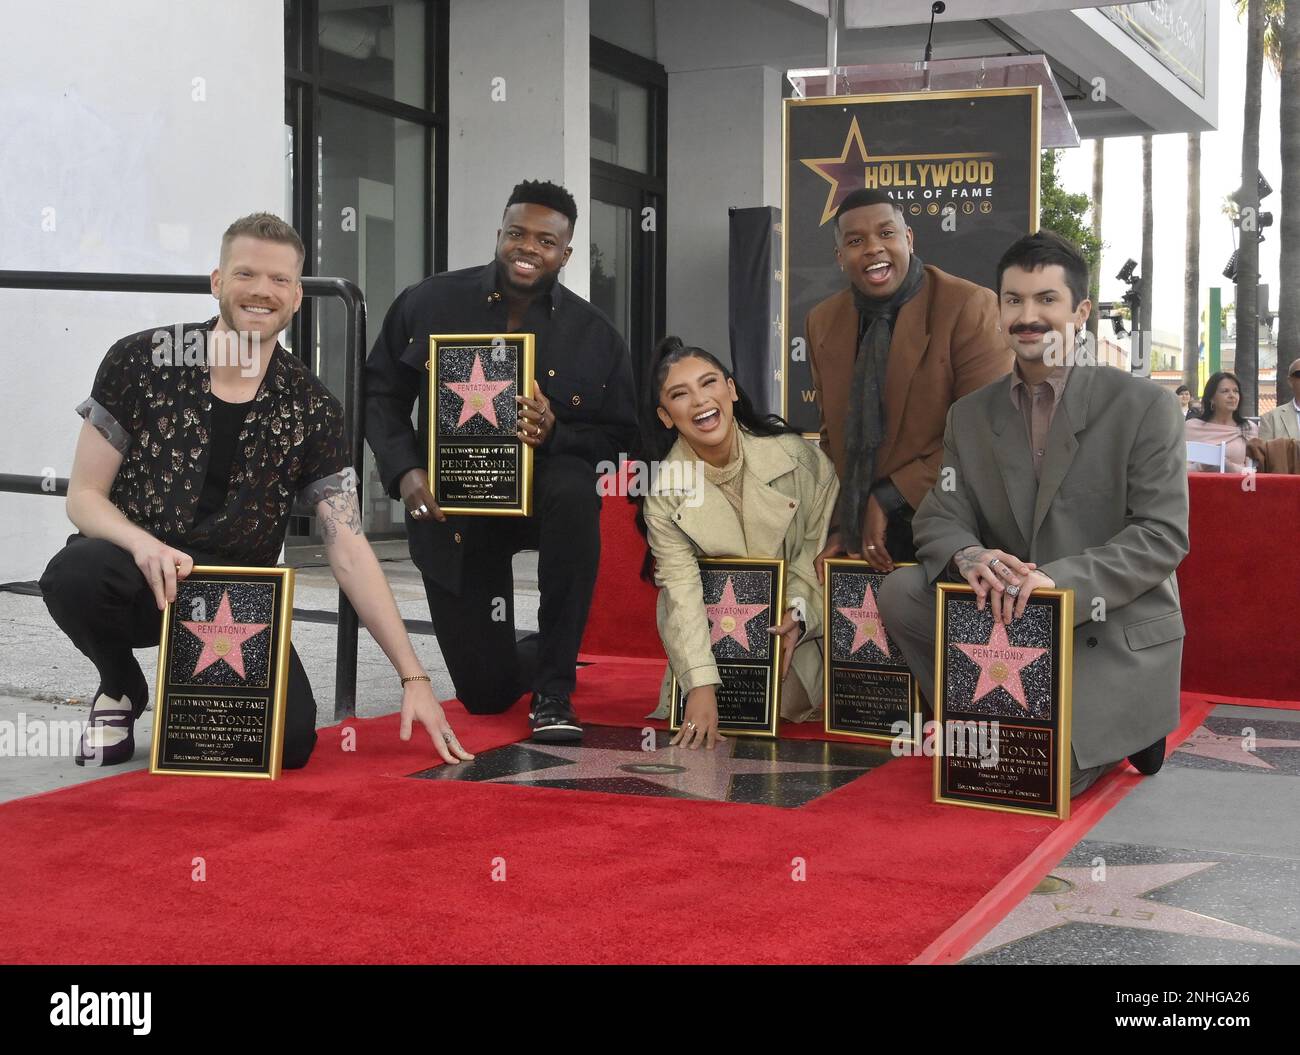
765,492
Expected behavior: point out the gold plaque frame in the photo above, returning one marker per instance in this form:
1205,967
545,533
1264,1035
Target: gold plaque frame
526,341
677,704
1064,627
915,694
281,635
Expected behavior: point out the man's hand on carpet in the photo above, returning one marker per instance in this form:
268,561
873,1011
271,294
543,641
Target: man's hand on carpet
701,724
419,704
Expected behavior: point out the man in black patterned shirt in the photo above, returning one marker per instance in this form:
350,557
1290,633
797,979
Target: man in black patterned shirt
197,441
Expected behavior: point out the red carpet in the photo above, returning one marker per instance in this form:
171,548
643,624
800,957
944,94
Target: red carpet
346,861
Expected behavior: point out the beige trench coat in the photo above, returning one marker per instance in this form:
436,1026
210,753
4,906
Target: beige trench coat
788,496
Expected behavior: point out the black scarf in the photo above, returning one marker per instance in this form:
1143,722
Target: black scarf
865,429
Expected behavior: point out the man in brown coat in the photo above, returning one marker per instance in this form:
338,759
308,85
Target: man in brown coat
889,355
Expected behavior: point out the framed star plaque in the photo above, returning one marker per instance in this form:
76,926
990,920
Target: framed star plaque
1002,703
868,686
223,668
477,463
742,597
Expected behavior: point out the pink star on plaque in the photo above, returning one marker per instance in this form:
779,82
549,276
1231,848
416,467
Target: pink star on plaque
223,638
866,624
1000,664
1209,744
478,394
728,618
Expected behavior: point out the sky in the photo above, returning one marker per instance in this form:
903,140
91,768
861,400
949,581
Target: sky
1220,175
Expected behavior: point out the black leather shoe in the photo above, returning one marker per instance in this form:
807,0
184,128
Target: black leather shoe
109,736
552,720
1149,760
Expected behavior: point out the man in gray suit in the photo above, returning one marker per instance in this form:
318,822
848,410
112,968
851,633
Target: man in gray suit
1284,422
1071,475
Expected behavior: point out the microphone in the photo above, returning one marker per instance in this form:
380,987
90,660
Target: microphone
936,8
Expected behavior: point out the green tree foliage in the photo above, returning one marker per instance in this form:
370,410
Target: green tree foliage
1065,213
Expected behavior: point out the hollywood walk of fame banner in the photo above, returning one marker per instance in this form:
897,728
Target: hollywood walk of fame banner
1002,703
743,596
964,166
868,686
477,463
223,668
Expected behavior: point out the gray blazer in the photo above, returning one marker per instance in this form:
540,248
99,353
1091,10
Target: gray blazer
1108,519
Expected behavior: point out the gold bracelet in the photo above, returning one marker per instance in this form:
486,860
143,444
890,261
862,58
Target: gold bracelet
415,677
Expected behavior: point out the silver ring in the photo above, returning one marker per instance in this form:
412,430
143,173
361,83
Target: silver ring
1013,591
449,737
690,725
869,546
423,508
994,563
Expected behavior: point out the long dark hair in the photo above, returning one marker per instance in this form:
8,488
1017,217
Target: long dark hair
1207,401
657,441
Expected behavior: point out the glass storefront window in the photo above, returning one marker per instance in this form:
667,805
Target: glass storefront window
371,213
620,119
379,48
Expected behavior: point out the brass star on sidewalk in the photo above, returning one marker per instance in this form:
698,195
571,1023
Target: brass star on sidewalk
700,774
783,773
1118,902
1206,743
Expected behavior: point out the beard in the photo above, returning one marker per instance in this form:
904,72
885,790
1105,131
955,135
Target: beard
544,283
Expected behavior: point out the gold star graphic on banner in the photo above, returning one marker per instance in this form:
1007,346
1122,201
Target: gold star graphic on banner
845,175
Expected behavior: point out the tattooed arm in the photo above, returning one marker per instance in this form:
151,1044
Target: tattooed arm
360,577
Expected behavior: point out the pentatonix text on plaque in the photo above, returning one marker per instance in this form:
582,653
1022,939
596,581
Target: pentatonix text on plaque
1003,703
743,597
223,661
477,463
868,686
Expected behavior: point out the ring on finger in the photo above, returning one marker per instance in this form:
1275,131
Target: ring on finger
1013,591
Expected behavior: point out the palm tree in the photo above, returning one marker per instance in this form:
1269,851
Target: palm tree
1288,309
1143,331
1247,354
1192,277
1098,181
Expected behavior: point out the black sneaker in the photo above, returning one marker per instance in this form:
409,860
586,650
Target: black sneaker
1149,760
552,720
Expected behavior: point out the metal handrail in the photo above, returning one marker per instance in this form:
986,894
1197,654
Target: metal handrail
354,407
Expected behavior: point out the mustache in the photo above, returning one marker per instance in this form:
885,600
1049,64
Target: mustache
1028,328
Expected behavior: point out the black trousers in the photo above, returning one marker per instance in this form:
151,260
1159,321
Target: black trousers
100,599
476,628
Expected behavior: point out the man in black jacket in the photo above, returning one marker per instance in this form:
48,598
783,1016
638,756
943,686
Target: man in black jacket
581,412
